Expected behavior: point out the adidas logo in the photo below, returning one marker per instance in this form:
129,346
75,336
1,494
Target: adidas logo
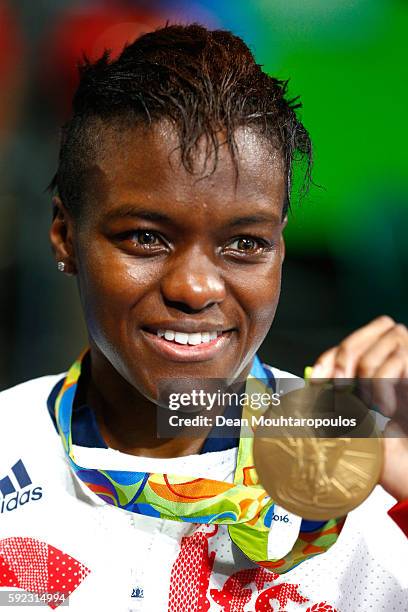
10,489
137,592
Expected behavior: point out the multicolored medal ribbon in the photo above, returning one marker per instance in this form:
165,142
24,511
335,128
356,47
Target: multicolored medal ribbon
244,505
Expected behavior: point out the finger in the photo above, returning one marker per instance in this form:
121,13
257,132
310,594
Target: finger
354,346
324,366
359,340
386,381
378,352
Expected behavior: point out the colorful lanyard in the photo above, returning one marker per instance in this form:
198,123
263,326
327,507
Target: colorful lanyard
244,505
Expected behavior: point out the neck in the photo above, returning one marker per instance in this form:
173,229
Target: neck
127,420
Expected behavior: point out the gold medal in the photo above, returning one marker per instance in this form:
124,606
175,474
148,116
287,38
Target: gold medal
321,472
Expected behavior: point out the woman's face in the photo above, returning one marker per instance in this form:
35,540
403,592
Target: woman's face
161,251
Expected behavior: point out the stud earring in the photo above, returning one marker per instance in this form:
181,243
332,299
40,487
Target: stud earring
61,266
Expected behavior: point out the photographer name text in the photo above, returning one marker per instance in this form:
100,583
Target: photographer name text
259,420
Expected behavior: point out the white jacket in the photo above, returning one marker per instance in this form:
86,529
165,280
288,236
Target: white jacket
57,535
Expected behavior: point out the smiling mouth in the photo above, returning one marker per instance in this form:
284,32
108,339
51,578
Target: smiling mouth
182,346
183,338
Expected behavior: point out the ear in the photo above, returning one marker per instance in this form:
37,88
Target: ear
282,240
61,236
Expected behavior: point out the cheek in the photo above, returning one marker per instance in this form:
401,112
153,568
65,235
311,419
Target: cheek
259,297
110,286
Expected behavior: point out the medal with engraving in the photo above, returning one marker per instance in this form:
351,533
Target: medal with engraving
319,472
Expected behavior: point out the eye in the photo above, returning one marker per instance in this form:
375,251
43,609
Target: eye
245,244
143,240
146,238
248,245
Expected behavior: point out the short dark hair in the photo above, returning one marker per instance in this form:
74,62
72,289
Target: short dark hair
202,81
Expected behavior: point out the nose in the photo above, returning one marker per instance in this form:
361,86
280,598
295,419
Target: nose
193,282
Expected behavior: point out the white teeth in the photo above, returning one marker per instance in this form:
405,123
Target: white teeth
193,339
180,337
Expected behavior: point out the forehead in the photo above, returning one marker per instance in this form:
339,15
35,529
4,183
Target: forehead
146,163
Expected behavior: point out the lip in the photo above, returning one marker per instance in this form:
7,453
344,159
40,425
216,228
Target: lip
187,352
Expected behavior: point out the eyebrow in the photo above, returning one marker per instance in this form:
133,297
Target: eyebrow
252,219
132,212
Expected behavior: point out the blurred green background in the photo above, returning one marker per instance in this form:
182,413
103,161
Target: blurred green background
347,242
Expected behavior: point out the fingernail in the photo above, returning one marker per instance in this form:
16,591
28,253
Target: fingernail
317,371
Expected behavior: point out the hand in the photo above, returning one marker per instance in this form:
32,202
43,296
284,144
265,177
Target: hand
379,351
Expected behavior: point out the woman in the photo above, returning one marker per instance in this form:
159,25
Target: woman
171,198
